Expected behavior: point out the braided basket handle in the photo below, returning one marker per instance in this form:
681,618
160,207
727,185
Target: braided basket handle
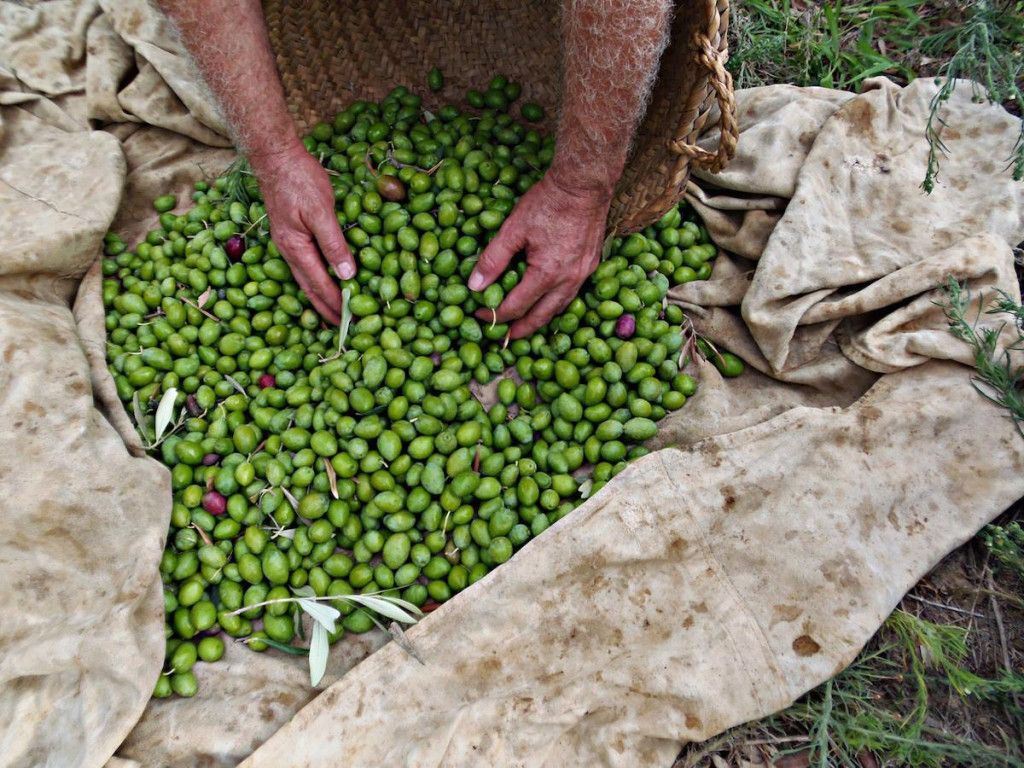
720,81
686,154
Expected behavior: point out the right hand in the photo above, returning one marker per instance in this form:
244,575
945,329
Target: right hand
300,204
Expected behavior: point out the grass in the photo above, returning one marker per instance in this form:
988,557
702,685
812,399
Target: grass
941,683
987,49
841,44
834,45
927,692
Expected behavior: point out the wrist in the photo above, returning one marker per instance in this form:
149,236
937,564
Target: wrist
588,192
270,155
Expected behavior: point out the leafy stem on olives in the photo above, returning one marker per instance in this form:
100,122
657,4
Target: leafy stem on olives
393,606
161,432
692,345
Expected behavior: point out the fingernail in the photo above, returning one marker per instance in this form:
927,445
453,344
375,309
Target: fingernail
476,281
346,271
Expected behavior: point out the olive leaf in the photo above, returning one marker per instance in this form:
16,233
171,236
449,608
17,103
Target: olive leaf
140,416
386,607
332,477
204,297
300,629
291,499
318,648
606,248
346,319
291,650
586,487
237,386
325,615
164,412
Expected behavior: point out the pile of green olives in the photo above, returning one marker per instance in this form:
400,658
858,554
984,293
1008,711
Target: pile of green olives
369,464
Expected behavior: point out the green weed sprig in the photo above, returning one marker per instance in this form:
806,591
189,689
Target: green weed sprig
997,379
988,51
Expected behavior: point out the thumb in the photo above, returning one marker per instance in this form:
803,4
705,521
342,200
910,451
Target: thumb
333,246
496,256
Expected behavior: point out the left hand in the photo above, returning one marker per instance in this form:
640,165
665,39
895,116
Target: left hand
562,231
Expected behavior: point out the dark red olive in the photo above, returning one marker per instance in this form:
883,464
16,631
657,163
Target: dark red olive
235,247
214,503
391,188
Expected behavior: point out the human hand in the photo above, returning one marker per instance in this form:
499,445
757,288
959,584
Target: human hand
562,232
300,205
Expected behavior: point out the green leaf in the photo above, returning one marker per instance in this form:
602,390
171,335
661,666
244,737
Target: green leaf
291,650
606,248
140,416
346,319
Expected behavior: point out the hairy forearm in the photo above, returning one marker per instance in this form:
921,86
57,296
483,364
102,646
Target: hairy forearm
228,41
612,49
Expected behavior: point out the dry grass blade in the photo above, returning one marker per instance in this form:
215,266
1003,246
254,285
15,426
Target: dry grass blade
332,477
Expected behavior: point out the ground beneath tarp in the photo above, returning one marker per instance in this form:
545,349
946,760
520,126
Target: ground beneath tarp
967,591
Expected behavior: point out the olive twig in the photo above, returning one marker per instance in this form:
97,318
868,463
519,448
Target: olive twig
203,535
253,224
694,343
369,166
390,158
196,306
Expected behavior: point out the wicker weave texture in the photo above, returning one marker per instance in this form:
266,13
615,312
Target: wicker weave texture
332,52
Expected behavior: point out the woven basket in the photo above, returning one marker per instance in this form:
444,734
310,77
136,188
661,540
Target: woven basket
331,52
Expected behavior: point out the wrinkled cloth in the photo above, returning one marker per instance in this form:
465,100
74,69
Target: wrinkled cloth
712,582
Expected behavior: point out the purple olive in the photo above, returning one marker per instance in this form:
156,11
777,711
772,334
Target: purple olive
235,247
192,406
625,327
215,503
210,459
